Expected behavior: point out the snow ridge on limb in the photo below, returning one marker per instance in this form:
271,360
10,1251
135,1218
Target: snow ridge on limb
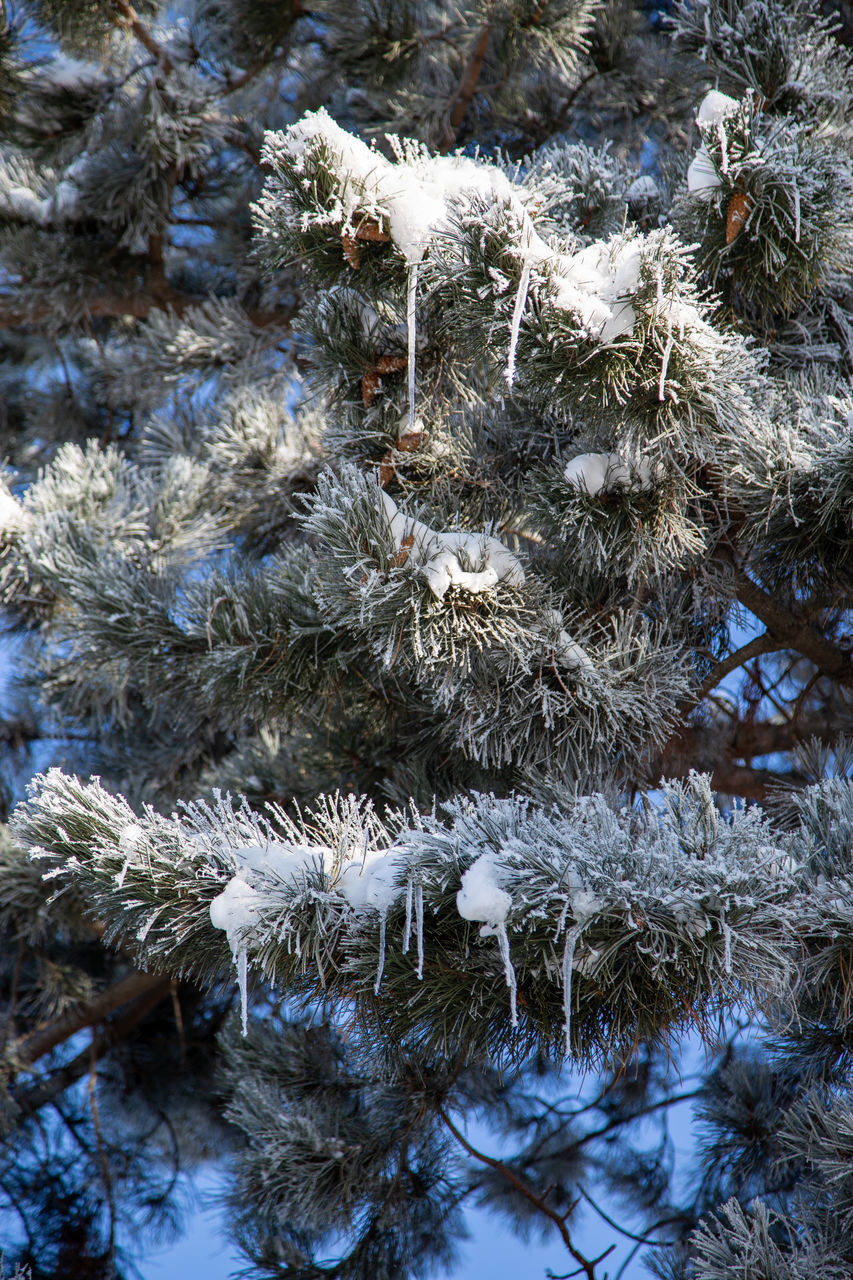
671,915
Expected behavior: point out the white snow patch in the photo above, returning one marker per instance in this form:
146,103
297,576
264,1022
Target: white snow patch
596,283
481,896
440,555
715,107
643,188
564,647
14,518
370,882
603,472
235,910
413,196
68,73
701,174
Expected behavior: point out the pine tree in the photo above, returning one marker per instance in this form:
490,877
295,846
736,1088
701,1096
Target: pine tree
427,528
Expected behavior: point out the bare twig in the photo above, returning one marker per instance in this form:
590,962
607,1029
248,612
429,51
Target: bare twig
764,643
585,1265
128,17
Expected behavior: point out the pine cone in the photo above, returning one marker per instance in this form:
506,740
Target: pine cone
738,212
371,381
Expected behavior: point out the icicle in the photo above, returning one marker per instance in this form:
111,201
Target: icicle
663,368
796,215
419,925
724,154
568,965
242,961
123,872
407,928
727,945
503,943
381,967
411,326
515,327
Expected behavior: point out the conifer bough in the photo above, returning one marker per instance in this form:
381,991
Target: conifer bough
410,645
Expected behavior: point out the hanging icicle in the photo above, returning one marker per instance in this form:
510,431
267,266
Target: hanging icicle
381,967
727,944
509,973
419,925
411,328
242,962
407,928
515,327
568,967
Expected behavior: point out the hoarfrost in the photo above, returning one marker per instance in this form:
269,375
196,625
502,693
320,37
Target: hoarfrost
129,845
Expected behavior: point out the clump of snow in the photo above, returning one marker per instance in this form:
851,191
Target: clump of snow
14,518
714,109
481,898
412,196
566,650
235,910
370,882
595,284
643,188
701,173
595,473
442,556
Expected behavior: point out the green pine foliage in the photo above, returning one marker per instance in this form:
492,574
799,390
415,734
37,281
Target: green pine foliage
425,429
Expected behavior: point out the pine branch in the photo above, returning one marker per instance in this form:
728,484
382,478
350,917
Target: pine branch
107,1038
759,645
789,630
30,1048
467,88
